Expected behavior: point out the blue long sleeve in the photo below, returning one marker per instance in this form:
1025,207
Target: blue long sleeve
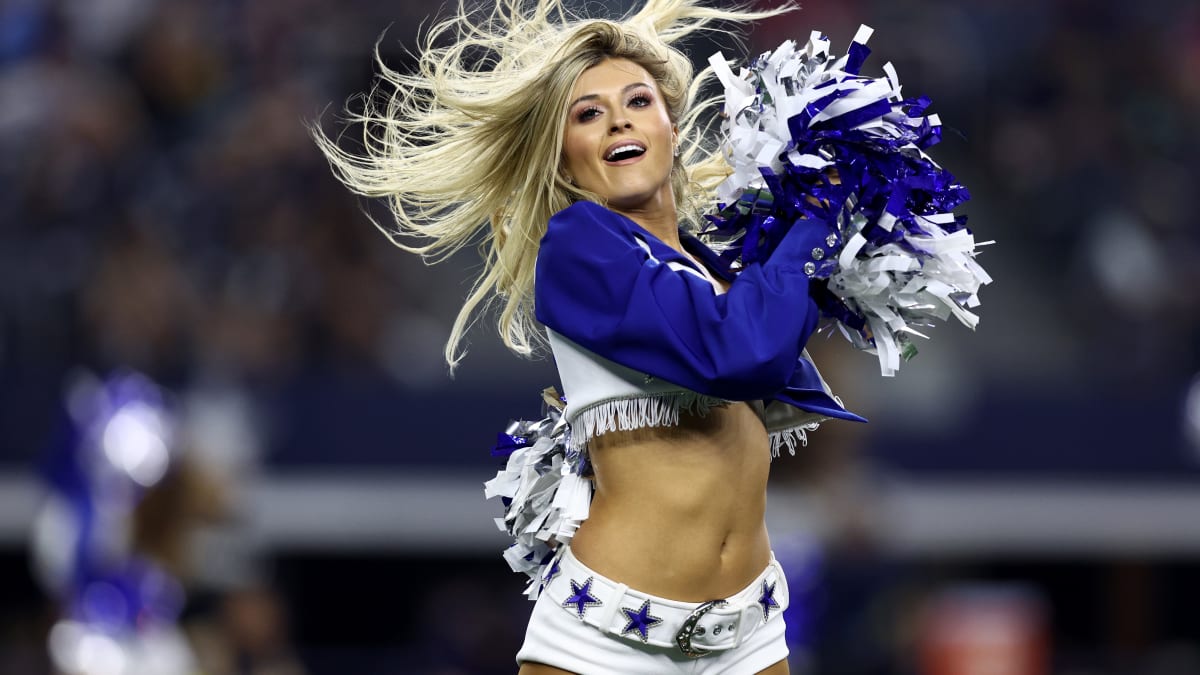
635,305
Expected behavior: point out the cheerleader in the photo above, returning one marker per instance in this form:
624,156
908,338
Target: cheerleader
572,147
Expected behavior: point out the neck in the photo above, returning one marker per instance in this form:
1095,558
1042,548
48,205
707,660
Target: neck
661,220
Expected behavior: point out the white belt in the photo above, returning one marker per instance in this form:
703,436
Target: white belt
695,628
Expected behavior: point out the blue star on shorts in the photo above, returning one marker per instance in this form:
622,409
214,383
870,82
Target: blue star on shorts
640,620
582,598
767,600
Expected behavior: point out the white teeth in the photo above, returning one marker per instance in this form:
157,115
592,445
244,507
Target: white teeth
622,148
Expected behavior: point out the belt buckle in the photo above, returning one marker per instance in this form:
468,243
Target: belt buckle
683,639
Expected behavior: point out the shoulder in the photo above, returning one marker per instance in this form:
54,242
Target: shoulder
586,217
588,230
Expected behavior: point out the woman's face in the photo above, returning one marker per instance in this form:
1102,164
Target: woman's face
619,141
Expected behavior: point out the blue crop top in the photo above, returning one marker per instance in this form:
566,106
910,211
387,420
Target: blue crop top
639,333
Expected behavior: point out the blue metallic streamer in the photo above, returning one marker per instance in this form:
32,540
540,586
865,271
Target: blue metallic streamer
878,183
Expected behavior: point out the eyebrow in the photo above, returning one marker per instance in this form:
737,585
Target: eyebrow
592,97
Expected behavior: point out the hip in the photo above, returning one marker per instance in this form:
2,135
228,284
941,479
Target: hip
585,622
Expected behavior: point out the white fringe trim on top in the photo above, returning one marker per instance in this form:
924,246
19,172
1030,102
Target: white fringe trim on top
635,412
791,438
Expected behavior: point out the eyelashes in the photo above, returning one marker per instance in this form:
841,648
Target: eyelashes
639,100
587,114
636,100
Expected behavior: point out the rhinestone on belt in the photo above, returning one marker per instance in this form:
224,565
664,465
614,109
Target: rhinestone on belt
683,639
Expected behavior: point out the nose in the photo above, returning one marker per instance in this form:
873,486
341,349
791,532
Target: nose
620,124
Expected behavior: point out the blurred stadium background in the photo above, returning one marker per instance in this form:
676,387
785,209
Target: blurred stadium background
1025,501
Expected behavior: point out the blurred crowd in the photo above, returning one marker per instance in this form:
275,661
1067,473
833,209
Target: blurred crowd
163,208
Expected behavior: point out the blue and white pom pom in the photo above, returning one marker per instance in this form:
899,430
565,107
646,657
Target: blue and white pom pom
544,491
813,143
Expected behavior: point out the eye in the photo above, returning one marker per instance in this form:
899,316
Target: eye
639,100
587,114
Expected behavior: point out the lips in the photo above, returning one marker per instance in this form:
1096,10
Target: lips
624,151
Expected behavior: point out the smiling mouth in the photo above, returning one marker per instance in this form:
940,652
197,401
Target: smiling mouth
624,153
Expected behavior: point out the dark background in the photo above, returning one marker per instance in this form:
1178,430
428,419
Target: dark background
162,208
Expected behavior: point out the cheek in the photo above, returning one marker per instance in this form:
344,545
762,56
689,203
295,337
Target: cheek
658,123
574,149
667,128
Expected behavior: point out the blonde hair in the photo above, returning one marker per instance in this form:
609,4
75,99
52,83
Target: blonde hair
474,136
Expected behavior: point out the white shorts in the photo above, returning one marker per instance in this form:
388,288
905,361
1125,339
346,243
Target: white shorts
587,624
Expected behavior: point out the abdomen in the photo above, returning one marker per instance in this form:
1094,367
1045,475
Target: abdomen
678,511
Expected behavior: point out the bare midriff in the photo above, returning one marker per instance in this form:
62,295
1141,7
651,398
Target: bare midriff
678,511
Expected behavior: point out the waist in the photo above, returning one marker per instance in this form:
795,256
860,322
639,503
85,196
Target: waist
688,564
717,623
